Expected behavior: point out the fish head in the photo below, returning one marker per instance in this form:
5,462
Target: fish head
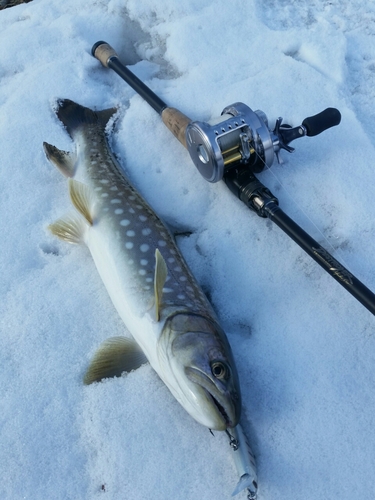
205,379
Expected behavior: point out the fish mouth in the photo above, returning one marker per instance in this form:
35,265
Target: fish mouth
222,411
221,402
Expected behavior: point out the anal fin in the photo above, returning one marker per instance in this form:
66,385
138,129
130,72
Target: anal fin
115,356
70,228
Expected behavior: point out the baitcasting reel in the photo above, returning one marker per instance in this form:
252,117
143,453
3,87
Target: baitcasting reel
241,137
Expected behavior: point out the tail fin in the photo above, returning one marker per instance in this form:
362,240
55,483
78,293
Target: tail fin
74,115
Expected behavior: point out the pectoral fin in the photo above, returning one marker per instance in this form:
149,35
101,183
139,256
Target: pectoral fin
161,273
63,160
115,356
82,199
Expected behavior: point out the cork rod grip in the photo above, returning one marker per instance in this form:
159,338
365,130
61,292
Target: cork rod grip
176,122
103,52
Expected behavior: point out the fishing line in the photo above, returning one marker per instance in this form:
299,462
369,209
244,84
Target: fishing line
300,208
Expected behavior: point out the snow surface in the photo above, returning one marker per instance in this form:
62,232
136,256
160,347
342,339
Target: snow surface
305,348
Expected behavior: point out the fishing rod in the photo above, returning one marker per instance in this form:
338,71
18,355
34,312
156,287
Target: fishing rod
238,145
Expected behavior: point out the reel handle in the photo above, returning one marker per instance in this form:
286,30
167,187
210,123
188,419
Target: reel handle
324,120
312,125
172,118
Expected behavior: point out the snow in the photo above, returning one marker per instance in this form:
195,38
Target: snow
304,347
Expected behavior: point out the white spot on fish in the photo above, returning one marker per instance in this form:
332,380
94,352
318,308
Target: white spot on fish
171,260
130,233
129,245
131,210
131,262
104,195
124,222
142,272
146,231
149,280
162,243
115,200
167,290
119,211
144,247
181,296
142,217
131,198
139,207
183,278
144,262
172,251
178,269
104,181
99,188
114,188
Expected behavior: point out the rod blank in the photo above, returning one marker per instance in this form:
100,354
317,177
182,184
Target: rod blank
174,120
334,268
109,58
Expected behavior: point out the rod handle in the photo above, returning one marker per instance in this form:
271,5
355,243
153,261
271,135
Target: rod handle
317,124
176,122
103,52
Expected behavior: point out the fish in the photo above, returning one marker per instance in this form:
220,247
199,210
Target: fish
173,325
5,4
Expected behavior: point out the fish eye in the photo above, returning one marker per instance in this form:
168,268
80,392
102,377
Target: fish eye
220,370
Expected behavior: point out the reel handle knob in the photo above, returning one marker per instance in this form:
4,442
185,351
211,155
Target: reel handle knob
317,124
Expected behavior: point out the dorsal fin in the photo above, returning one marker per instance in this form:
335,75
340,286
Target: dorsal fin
82,199
63,160
161,273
